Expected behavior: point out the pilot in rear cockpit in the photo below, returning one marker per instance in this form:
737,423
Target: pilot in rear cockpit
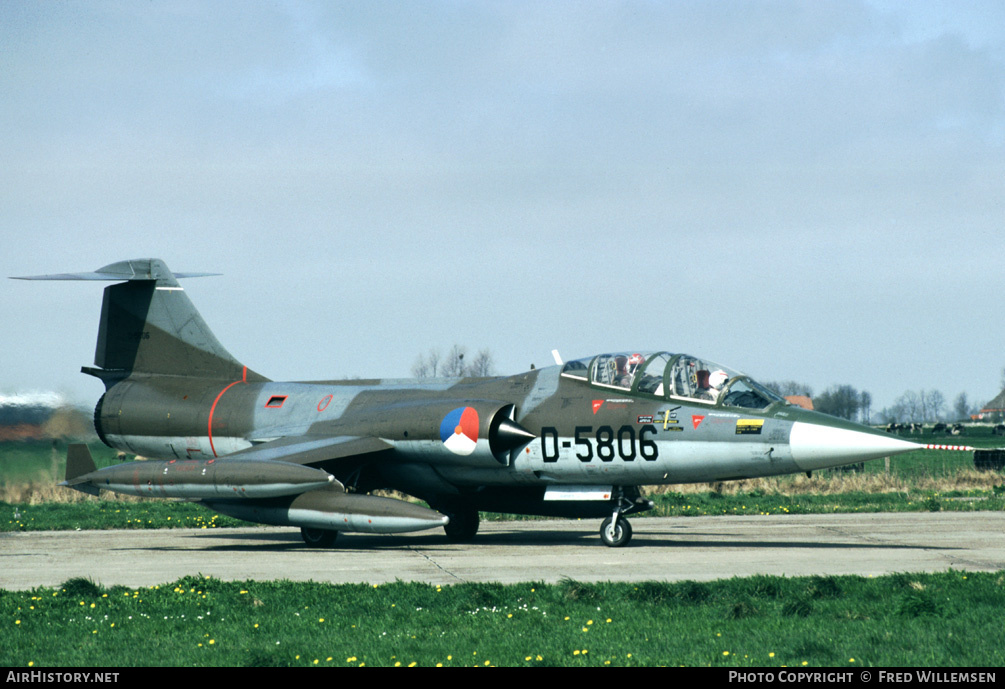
627,366
622,378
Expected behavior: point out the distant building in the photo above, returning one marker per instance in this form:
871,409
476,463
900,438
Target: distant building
995,409
800,401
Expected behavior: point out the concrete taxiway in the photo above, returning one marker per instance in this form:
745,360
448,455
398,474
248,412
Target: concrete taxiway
698,548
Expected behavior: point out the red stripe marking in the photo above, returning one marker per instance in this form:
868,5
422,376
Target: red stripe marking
213,409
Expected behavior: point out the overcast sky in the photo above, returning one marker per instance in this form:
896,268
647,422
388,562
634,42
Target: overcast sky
811,191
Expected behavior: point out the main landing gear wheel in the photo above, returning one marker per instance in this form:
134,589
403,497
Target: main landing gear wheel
463,524
615,534
318,538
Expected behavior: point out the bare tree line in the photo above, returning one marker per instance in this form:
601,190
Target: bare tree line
433,364
914,406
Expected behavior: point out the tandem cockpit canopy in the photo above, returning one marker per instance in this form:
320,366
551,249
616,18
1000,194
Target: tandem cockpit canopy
668,376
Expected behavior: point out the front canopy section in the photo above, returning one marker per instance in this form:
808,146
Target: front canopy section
672,376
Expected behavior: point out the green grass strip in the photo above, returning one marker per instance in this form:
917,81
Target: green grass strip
946,619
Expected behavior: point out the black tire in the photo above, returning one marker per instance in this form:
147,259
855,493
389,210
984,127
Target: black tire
617,536
463,524
318,538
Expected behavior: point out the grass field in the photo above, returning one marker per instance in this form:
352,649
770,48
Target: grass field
948,619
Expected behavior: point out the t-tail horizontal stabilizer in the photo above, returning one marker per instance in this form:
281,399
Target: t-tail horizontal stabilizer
136,269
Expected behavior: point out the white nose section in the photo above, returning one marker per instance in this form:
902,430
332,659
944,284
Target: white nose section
817,447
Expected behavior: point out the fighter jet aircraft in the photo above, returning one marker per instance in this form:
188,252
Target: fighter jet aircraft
575,440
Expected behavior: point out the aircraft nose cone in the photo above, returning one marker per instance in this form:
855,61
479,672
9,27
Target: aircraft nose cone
817,446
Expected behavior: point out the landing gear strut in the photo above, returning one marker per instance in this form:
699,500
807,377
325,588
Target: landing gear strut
318,538
616,531
463,524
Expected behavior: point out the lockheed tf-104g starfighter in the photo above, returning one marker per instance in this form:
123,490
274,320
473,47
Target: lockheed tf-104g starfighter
574,440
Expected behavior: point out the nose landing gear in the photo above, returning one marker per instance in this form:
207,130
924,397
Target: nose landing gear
616,531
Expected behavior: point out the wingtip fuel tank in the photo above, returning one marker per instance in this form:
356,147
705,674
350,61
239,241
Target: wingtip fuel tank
335,510
202,479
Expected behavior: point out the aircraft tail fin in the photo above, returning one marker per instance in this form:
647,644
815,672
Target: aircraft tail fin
149,326
78,463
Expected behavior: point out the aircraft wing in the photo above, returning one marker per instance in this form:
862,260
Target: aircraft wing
312,449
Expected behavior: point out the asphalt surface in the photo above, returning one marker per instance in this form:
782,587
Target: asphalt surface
697,548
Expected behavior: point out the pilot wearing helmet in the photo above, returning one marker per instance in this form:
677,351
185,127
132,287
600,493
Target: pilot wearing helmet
710,384
716,381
